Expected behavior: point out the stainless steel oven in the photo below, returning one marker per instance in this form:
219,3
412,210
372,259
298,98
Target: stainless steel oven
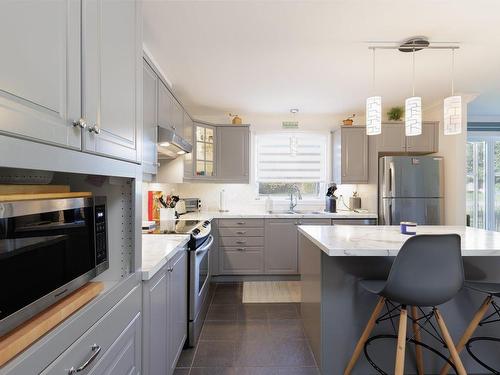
199,287
48,249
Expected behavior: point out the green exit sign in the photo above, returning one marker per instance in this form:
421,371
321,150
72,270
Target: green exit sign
290,124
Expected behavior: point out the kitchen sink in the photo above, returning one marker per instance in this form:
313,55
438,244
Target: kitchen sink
295,212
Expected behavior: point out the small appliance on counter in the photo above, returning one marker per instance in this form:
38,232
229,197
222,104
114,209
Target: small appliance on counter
192,204
331,199
354,202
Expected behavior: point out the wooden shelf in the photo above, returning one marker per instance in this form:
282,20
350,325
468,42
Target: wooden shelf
26,334
30,197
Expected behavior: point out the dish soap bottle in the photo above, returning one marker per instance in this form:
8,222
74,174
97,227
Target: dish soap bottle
269,204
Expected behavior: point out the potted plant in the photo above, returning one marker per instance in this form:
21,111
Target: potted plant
396,113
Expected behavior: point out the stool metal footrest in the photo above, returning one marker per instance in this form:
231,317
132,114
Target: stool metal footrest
475,357
409,340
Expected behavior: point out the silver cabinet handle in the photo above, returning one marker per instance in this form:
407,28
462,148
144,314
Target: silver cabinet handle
94,129
96,349
241,232
241,249
241,242
82,124
240,223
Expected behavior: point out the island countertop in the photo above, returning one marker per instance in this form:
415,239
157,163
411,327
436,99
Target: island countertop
385,240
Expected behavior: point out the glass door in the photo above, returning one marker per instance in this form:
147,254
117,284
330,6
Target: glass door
205,151
475,185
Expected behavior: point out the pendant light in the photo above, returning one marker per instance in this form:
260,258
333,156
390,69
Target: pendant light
413,109
373,108
452,106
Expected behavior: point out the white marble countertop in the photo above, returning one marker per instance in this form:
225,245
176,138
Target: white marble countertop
158,249
372,240
204,215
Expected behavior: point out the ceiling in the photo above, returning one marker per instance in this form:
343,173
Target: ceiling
270,56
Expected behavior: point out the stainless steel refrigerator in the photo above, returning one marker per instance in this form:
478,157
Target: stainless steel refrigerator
411,188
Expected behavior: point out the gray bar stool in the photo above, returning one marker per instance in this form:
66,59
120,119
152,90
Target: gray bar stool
491,290
427,272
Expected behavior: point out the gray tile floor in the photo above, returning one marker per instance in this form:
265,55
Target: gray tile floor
248,339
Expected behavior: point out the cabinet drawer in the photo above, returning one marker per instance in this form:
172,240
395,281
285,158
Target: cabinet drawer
104,333
242,260
241,232
243,223
241,241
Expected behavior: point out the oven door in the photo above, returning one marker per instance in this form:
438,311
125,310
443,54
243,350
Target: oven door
199,277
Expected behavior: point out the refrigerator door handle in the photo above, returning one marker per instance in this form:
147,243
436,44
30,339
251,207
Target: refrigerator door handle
390,213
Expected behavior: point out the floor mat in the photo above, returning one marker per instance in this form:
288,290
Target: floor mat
271,291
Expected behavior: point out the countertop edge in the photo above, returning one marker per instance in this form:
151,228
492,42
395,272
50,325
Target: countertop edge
150,273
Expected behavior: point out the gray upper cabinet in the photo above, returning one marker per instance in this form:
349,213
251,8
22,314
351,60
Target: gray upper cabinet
350,155
170,112
281,251
40,89
427,142
188,135
221,153
394,140
150,121
233,154
112,78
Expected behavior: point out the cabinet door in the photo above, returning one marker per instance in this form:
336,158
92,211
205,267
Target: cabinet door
233,154
112,78
281,253
188,135
392,139
165,107
177,309
204,151
241,260
426,142
177,117
40,89
354,162
150,134
124,356
155,325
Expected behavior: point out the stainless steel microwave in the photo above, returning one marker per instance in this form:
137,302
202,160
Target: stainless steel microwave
48,249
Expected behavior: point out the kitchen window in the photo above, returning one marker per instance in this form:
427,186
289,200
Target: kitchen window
483,181
287,159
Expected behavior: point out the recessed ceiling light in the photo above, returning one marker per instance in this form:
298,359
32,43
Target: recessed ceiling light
294,110
181,152
164,144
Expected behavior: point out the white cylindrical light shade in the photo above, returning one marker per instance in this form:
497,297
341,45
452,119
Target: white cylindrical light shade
374,115
413,116
452,115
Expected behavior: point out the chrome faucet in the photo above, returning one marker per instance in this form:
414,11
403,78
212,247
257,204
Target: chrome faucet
294,193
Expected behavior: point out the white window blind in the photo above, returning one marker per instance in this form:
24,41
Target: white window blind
291,158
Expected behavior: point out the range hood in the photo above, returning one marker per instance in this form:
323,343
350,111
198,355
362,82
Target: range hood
171,145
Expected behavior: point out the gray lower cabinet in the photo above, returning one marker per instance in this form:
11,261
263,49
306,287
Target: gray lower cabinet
112,345
150,120
350,155
165,316
281,251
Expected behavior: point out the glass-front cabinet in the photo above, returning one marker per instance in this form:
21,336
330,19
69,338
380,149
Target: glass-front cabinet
204,150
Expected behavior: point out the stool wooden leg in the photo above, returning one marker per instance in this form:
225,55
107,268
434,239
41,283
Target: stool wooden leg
400,350
365,336
418,349
478,316
449,343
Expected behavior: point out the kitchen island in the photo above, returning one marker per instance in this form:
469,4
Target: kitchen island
335,309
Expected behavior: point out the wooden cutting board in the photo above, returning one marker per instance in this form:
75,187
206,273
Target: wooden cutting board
31,197
26,334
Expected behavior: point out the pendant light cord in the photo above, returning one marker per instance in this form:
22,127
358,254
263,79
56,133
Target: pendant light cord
413,68
452,72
